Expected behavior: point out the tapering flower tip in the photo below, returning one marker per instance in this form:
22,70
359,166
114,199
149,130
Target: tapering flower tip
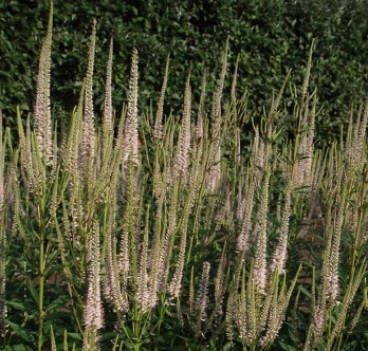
182,153
258,157
357,146
157,130
235,77
42,111
108,119
89,135
131,124
308,70
216,104
200,118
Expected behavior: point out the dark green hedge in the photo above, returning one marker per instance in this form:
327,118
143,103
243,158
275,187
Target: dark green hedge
270,38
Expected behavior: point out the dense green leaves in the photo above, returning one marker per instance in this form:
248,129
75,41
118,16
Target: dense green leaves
270,38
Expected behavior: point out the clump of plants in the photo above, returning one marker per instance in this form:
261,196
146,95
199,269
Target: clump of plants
150,232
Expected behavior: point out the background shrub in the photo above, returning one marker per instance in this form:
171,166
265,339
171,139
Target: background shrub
269,37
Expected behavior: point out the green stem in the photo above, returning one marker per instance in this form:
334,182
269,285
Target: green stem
41,289
137,325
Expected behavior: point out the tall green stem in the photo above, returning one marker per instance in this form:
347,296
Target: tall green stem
42,265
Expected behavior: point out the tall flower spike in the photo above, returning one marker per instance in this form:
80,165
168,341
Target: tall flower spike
200,117
114,292
318,323
26,160
235,77
42,111
357,146
332,288
348,299
214,173
107,116
181,162
202,297
162,268
280,254
70,152
307,75
252,181
131,123
304,163
260,271
157,246
142,293
176,281
216,105
220,285
157,130
89,135
174,287
243,239
215,151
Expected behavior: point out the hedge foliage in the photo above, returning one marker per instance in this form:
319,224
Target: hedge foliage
269,37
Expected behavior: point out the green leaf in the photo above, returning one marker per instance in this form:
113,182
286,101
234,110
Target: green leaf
23,333
33,292
57,315
108,335
304,291
17,305
59,302
75,336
